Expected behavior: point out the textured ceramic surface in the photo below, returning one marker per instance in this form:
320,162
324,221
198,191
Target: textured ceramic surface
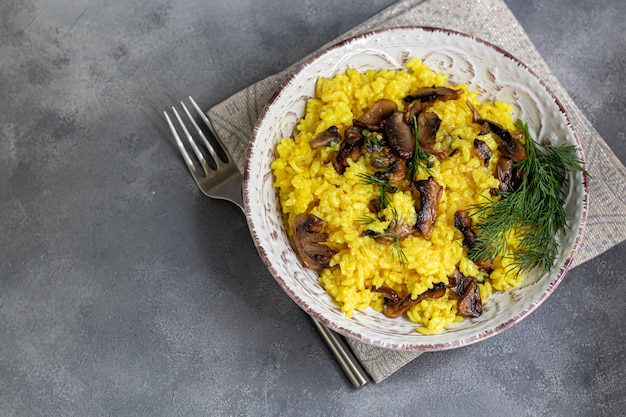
497,76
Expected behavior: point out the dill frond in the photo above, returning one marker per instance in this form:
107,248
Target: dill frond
396,249
420,159
384,187
534,212
397,252
366,220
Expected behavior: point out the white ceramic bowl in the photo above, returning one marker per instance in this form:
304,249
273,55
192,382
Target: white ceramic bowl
497,76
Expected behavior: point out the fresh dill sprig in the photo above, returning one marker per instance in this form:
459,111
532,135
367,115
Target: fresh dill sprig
384,186
395,216
420,159
398,252
533,212
396,249
366,220
374,137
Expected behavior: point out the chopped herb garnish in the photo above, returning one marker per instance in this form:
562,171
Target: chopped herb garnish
534,211
373,137
421,159
385,187
366,220
398,253
396,248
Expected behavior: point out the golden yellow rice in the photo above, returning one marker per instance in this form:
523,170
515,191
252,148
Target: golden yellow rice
307,183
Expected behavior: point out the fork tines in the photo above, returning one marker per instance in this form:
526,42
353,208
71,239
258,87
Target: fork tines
219,163
213,170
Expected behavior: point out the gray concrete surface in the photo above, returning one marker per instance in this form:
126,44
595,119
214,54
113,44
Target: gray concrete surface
125,292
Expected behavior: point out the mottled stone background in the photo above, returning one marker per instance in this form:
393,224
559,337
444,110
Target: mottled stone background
124,291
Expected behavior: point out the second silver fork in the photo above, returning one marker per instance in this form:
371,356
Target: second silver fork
224,181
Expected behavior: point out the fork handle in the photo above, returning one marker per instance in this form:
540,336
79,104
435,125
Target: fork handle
343,355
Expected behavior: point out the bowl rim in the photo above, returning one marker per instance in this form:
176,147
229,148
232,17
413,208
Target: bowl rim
422,346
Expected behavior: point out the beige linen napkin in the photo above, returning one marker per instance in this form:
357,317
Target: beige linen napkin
233,121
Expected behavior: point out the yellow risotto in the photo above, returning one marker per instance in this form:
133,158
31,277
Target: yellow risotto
359,265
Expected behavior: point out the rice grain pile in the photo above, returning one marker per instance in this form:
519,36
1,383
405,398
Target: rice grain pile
307,183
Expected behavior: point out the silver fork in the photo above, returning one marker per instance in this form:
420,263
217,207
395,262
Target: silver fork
225,182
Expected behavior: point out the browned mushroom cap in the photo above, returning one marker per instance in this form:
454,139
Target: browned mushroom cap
427,94
350,149
400,136
457,282
374,142
389,293
412,110
484,126
394,306
427,126
429,197
347,151
385,240
482,151
325,138
440,153
468,292
307,237
463,223
401,229
510,176
378,112
504,173
396,172
374,206
374,127
470,303
483,264
383,158
394,232
511,145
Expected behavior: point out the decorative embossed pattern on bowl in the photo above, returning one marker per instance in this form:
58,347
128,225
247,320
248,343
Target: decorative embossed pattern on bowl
484,67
